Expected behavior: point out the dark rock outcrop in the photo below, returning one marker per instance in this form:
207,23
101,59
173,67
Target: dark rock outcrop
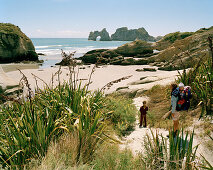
15,45
117,56
135,48
103,34
123,34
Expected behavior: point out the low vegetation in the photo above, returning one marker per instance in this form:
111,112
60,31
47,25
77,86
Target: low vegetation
122,113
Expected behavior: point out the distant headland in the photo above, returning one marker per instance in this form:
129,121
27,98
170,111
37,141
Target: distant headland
123,34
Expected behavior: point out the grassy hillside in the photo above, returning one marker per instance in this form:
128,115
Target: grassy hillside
170,38
183,53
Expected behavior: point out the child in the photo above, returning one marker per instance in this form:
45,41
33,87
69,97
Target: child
143,110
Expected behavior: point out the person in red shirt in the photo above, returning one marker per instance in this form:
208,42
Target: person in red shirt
143,110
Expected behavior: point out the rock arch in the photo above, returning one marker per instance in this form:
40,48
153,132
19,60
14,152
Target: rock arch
103,34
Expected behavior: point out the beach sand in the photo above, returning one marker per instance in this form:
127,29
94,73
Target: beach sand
16,66
7,81
101,76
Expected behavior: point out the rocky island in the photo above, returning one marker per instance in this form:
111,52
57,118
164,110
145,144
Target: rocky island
15,45
122,34
103,34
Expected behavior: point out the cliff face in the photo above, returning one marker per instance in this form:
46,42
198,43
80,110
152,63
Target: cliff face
15,45
123,34
103,34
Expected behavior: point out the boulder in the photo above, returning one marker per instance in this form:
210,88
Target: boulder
135,48
103,56
15,45
103,34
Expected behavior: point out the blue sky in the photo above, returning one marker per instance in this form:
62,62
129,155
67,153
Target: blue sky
76,18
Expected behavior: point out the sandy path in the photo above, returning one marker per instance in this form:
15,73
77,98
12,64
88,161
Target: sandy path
135,140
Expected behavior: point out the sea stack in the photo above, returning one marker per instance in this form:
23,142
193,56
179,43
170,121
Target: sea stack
103,34
122,34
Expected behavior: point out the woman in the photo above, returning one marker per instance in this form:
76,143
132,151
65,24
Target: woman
174,99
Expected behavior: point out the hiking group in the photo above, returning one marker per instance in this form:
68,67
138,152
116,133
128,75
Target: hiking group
180,100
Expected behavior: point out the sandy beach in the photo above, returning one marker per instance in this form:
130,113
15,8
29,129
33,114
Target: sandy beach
101,76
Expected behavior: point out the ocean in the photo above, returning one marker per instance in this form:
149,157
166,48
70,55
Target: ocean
51,47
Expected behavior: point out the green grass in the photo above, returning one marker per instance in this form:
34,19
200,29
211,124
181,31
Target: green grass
109,157
122,113
8,28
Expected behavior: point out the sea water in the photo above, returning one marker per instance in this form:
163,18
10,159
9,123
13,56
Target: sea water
51,47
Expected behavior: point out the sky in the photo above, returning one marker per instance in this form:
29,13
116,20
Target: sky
76,18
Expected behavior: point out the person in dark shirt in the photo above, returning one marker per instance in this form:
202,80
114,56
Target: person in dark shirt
143,110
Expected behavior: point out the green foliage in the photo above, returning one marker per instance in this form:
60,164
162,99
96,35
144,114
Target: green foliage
177,153
91,58
28,127
200,78
172,37
203,86
122,113
8,28
109,157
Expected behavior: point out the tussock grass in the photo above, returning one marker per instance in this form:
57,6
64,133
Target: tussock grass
122,113
109,157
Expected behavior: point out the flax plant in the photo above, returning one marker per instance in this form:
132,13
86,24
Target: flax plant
173,153
28,127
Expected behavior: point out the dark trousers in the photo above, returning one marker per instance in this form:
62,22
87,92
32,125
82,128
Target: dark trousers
142,118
